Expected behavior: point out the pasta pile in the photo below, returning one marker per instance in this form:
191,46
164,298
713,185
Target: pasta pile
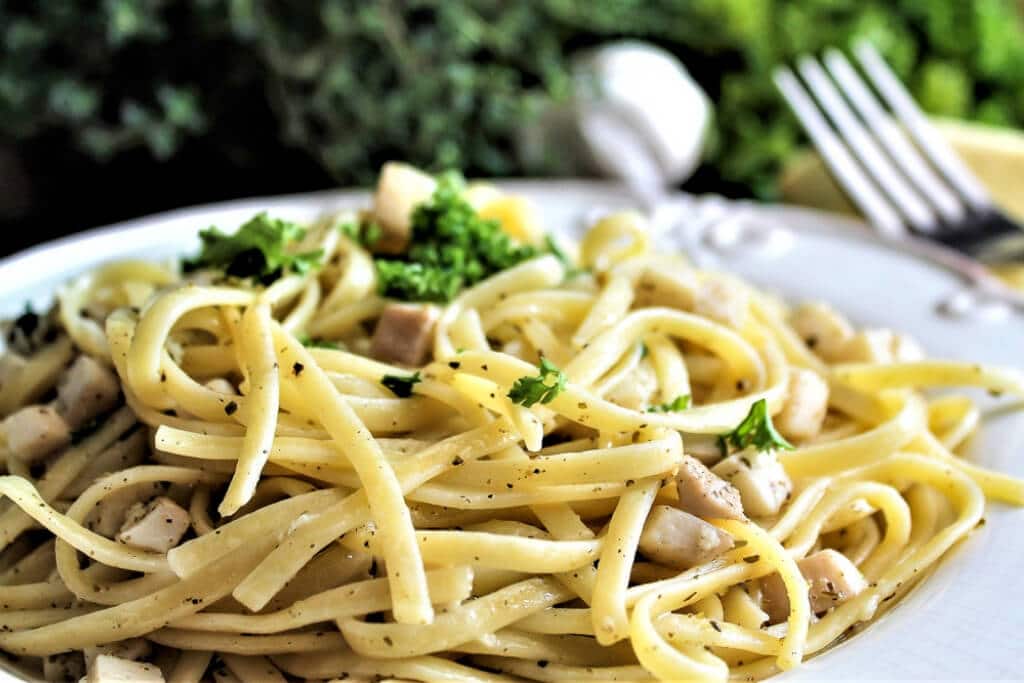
444,524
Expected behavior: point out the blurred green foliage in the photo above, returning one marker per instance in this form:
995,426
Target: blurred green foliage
449,84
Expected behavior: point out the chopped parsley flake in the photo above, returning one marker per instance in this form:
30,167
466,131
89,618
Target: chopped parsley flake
366,234
451,247
755,430
259,249
571,269
540,389
679,403
401,386
312,343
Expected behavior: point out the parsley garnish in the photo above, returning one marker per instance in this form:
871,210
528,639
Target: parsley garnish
401,386
312,343
571,269
365,234
451,247
756,430
540,389
679,403
417,282
259,250
556,251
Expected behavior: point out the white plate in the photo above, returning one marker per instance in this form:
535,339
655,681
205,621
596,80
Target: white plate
967,620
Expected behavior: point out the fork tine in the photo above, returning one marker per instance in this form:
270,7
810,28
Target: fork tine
865,147
894,140
928,139
851,177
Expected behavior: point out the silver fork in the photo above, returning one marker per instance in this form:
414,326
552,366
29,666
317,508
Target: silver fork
904,188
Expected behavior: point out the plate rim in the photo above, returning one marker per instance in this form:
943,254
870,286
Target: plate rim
849,227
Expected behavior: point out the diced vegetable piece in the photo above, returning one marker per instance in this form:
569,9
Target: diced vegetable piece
704,494
659,286
85,391
400,189
680,540
222,386
805,407
831,578
109,669
157,526
722,301
905,349
132,648
824,330
868,346
34,432
404,333
636,389
760,479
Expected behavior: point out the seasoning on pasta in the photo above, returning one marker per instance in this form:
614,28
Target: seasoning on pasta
425,441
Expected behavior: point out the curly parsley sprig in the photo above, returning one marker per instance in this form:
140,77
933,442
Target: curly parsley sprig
755,430
260,249
451,247
540,389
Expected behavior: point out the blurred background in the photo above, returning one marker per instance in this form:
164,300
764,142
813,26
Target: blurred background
111,109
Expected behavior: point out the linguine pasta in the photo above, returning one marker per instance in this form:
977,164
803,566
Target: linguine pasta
516,509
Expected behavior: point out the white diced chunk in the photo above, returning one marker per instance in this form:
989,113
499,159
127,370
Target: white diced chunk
11,365
806,404
86,390
868,346
515,347
722,301
659,286
636,389
704,494
905,349
157,526
705,448
110,669
400,189
831,580
66,666
760,479
221,386
880,345
822,329
132,648
680,540
404,333
34,432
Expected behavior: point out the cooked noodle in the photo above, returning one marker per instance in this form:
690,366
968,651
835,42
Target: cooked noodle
340,530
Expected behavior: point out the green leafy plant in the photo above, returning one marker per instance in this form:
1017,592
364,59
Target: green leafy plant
451,247
755,430
451,84
260,249
543,388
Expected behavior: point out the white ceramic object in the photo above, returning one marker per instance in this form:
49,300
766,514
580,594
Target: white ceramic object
967,619
642,117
